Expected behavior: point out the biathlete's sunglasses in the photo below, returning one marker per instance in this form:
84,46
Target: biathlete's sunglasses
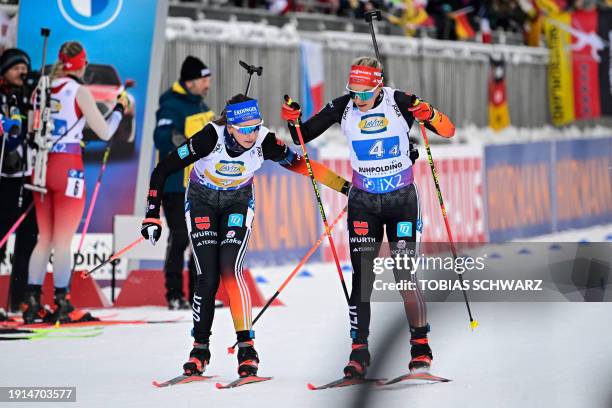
245,130
363,95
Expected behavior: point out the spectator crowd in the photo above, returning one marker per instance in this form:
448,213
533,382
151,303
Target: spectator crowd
442,19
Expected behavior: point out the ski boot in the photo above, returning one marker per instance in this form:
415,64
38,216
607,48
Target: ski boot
248,360
32,310
359,361
199,358
420,350
65,312
178,303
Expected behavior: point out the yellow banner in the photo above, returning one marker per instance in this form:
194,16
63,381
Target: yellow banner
193,124
560,80
499,116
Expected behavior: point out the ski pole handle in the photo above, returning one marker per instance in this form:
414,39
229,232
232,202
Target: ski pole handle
151,230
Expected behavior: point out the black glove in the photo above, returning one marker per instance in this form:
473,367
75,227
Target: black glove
151,225
151,229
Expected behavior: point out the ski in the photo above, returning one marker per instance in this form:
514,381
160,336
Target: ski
416,376
243,381
182,379
50,325
38,334
14,330
345,382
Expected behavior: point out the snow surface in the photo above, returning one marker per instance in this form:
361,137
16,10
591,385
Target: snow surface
522,355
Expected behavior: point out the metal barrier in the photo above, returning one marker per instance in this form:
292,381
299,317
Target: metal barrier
451,75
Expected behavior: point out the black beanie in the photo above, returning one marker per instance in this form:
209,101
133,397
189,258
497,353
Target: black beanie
12,57
193,68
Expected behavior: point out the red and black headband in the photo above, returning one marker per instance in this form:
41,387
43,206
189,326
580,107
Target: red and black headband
73,63
362,75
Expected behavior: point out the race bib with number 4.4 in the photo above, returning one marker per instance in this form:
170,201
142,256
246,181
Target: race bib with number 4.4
76,184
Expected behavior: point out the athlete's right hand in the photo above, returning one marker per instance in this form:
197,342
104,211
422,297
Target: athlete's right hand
291,110
151,229
123,102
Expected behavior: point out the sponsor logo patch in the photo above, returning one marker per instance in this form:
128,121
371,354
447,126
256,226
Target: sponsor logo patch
202,223
360,227
404,229
164,122
231,241
183,151
230,168
374,123
235,220
361,240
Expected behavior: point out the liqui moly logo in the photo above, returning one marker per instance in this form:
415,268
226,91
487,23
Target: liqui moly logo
374,123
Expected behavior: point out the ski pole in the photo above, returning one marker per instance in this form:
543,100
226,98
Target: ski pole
113,257
318,196
434,174
251,69
16,225
94,198
369,16
305,259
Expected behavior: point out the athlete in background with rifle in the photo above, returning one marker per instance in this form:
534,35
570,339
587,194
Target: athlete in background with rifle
59,186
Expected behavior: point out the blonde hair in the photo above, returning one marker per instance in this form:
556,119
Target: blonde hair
70,48
367,62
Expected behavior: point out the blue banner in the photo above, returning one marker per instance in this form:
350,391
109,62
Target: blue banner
544,187
118,39
519,186
583,182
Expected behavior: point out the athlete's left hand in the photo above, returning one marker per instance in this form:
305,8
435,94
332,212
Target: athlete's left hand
421,110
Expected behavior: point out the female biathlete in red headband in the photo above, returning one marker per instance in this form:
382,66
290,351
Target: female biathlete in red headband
59,211
376,121
219,210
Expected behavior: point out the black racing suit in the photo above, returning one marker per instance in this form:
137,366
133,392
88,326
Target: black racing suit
15,198
219,224
369,214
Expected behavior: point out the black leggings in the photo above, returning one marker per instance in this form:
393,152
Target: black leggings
219,224
178,240
368,214
25,238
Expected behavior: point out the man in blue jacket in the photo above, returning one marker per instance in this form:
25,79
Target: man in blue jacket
182,112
